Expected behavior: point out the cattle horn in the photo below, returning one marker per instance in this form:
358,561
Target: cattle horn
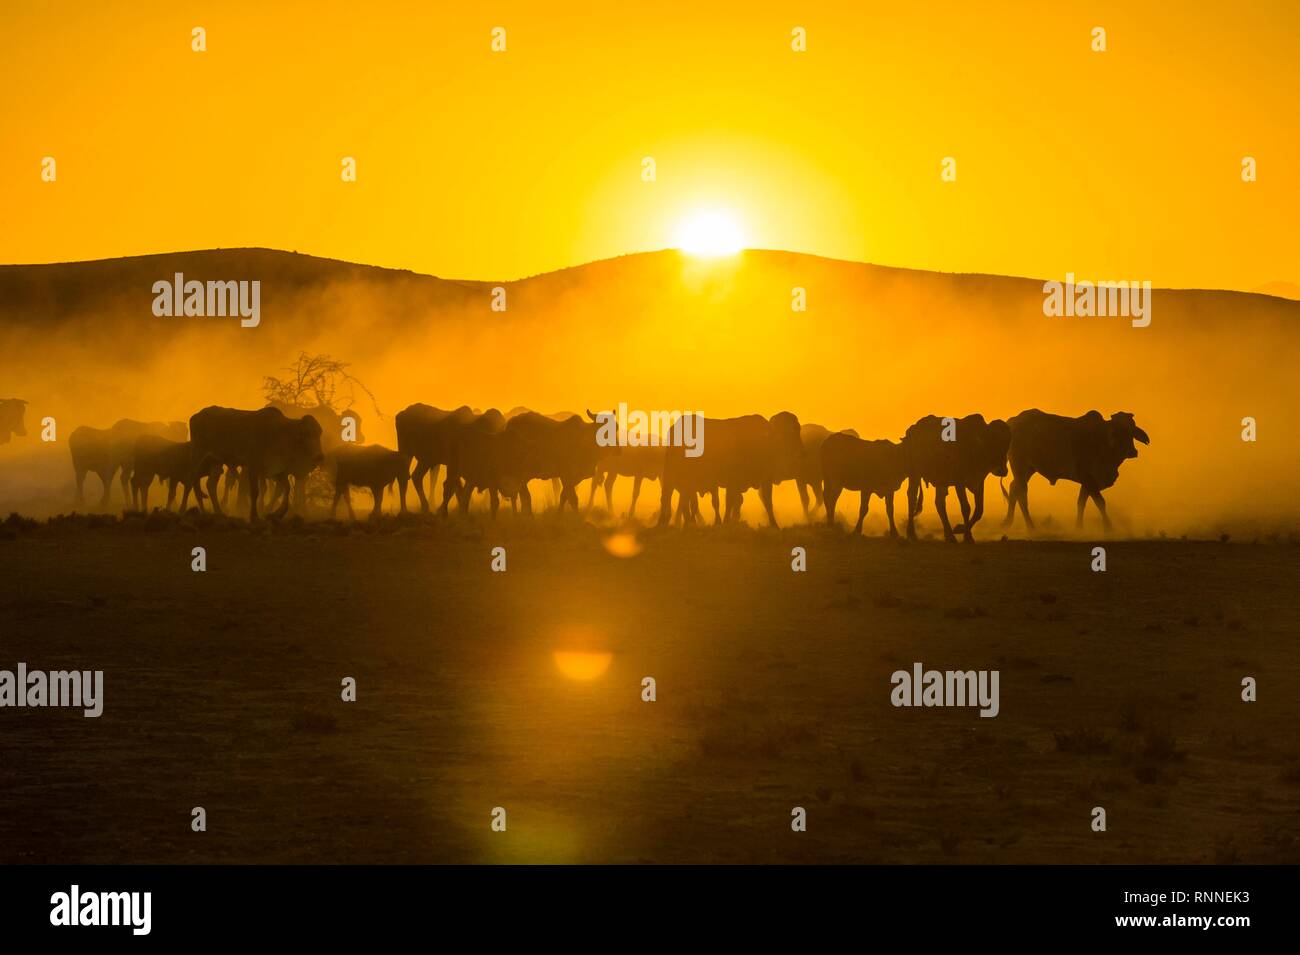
592,416
1141,435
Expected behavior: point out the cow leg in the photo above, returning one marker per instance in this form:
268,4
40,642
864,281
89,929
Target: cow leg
494,502
401,485
1080,505
803,497
889,511
192,484
572,491
106,478
1012,496
609,490
818,496
913,505
765,495
80,496
450,487
300,493
1101,506
526,500
941,505
378,491
862,512
965,515
126,486
556,491
688,511
213,478
666,503
832,497
595,479
434,471
1019,494
254,480
978,494
636,492
271,492
421,469
284,494
140,495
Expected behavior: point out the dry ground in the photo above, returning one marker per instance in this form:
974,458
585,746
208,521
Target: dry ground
222,690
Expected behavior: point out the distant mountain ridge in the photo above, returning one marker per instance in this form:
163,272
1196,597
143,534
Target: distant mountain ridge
55,290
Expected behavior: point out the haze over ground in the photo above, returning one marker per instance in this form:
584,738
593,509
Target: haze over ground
876,349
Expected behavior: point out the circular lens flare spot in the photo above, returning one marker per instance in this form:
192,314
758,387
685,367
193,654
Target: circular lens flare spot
622,544
582,665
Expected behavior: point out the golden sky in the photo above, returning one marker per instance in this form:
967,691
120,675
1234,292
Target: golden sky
475,164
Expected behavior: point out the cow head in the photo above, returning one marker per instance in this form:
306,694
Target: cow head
176,431
995,442
787,443
1121,432
358,438
605,434
11,418
304,449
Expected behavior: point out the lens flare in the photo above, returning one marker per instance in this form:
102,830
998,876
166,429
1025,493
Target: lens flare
582,665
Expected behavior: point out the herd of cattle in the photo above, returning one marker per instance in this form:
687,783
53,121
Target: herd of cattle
272,451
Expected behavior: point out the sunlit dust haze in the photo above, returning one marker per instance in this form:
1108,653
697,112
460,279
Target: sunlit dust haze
654,191
876,349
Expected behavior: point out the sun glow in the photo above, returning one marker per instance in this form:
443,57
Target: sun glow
710,233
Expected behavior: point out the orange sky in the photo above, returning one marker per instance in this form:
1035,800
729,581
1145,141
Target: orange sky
1123,164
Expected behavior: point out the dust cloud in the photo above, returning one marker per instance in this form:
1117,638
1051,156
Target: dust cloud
875,349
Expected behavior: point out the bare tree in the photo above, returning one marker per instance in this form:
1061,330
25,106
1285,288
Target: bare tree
317,380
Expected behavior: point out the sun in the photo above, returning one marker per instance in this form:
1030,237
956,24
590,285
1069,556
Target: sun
710,233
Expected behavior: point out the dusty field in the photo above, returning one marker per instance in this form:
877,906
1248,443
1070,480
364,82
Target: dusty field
222,690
